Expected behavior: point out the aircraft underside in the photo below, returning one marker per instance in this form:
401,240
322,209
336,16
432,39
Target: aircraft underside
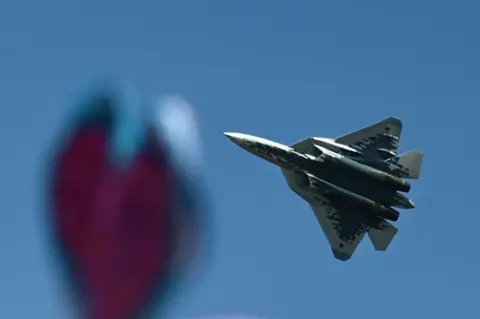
344,224
351,182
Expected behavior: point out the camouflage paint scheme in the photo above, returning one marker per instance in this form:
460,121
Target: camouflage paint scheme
351,182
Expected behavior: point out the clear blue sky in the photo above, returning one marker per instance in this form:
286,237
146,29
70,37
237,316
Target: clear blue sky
282,70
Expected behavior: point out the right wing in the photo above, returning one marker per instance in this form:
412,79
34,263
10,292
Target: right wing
345,228
377,140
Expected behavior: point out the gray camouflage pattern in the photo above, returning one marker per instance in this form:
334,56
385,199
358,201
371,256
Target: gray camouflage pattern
347,203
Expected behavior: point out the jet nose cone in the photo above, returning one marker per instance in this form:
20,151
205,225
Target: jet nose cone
229,135
234,137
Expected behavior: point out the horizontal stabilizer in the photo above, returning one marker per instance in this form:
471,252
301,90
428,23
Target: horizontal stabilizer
381,233
407,165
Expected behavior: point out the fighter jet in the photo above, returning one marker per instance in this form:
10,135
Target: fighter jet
351,182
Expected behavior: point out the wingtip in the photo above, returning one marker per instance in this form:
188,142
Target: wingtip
395,121
341,255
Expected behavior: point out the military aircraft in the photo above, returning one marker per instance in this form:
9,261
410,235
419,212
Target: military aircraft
351,182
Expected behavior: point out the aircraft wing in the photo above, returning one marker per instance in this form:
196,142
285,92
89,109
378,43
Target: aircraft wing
343,229
378,140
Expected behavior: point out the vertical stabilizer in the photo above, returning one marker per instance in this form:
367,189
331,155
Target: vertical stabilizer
381,233
407,165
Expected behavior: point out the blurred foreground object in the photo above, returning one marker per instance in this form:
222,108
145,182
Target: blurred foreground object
228,317
125,201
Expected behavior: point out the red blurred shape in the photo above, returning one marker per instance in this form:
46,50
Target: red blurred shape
113,223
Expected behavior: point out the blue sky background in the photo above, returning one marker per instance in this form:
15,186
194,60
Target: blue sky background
283,70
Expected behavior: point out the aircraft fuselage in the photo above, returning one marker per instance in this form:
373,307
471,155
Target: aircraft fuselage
360,183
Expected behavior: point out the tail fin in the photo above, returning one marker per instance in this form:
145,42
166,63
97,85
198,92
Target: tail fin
407,165
381,233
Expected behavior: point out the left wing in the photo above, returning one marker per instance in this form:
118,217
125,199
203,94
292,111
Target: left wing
344,229
343,224
378,140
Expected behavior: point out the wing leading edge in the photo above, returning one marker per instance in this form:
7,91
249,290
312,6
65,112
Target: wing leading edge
378,140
